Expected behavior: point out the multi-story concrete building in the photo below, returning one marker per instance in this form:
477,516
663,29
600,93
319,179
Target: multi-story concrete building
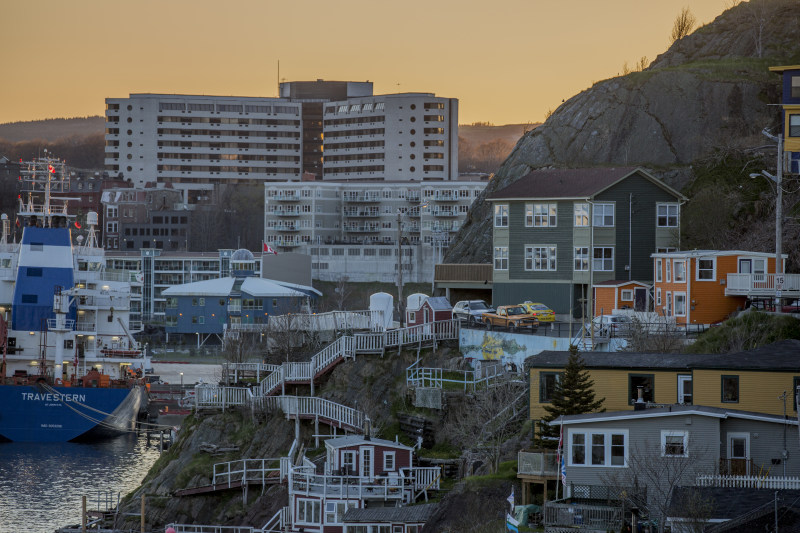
197,142
144,218
352,229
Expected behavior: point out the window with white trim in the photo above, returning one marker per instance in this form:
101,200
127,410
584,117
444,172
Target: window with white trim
581,219
309,511
581,258
627,295
540,215
658,296
667,215
679,271
669,304
349,461
659,266
607,448
539,258
674,443
669,270
335,510
501,216
603,215
680,303
706,269
603,259
501,257
388,462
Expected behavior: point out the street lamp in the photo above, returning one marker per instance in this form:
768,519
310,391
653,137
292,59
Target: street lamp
778,181
198,340
181,380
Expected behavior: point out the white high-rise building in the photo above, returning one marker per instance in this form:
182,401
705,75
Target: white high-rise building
352,229
321,130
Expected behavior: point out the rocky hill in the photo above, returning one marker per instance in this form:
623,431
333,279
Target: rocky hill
708,93
51,129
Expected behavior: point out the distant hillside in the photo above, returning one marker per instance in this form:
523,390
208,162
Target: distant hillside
483,147
51,129
480,134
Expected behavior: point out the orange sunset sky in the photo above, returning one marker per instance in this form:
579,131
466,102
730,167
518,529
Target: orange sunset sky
507,61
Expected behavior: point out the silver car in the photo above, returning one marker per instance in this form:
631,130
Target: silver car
471,311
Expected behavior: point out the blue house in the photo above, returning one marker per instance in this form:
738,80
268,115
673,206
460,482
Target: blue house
204,308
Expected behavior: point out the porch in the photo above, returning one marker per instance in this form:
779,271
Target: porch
536,467
766,285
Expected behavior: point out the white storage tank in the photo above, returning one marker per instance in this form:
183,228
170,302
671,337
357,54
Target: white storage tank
382,301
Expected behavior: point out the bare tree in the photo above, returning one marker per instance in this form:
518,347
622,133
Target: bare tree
483,422
683,25
659,468
657,335
343,291
642,64
760,16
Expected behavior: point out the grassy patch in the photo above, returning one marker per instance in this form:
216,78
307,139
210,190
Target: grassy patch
441,450
506,472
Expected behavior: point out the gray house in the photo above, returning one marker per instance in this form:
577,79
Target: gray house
556,229
632,461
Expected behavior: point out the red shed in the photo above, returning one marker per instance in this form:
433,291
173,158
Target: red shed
432,309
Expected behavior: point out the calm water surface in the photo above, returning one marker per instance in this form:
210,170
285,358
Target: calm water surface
41,484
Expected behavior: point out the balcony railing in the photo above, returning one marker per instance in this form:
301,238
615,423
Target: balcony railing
749,482
762,284
582,516
286,197
537,463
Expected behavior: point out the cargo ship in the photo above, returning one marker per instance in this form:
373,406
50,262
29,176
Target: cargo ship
71,368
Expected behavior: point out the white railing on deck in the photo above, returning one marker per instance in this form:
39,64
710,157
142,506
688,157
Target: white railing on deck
330,321
247,470
277,522
749,482
746,283
192,528
348,487
211,396
423,477
311,407
470,380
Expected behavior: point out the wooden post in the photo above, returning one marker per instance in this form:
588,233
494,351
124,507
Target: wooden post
83,513
142,522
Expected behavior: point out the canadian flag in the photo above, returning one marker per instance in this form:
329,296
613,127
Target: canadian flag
268,249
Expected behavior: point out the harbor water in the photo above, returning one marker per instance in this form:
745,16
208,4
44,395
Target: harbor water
41,484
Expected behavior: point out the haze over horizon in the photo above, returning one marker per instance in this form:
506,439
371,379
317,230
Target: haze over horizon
508,64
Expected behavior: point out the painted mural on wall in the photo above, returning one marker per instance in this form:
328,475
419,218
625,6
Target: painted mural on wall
483,345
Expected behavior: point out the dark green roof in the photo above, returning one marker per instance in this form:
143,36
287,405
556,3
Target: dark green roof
410,514
782,355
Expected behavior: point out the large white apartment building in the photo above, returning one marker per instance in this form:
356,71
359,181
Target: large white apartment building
331,130
352,230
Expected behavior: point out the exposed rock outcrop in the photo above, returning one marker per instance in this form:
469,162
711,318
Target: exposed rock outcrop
708,92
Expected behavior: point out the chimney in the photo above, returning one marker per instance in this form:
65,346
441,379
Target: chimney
367,428
640,405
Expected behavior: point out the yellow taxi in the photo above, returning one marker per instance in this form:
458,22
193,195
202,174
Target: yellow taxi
540,311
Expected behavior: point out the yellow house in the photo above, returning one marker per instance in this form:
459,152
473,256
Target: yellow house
749,381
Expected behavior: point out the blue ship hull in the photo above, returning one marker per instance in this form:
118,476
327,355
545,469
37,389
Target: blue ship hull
33,413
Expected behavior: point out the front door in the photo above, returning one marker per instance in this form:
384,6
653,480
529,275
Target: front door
738,454
640,299
685,390
367,460
745,266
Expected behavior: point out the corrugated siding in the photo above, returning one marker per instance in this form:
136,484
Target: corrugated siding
643,233
554,295
766,443
612,384
758,391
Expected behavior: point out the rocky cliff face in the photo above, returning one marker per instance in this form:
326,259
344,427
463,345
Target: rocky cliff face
708,92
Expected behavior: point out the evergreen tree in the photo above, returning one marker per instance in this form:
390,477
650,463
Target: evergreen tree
573,395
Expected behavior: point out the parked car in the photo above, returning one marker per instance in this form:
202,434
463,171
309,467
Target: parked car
612,325
512,317
791,306
540,311
471,311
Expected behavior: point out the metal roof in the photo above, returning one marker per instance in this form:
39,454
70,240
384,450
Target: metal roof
673,410
439,303
352,440
408,514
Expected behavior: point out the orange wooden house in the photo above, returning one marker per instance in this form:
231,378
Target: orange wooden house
706,286
613,295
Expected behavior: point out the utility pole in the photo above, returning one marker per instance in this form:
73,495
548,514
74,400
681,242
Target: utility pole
778,180
401,309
